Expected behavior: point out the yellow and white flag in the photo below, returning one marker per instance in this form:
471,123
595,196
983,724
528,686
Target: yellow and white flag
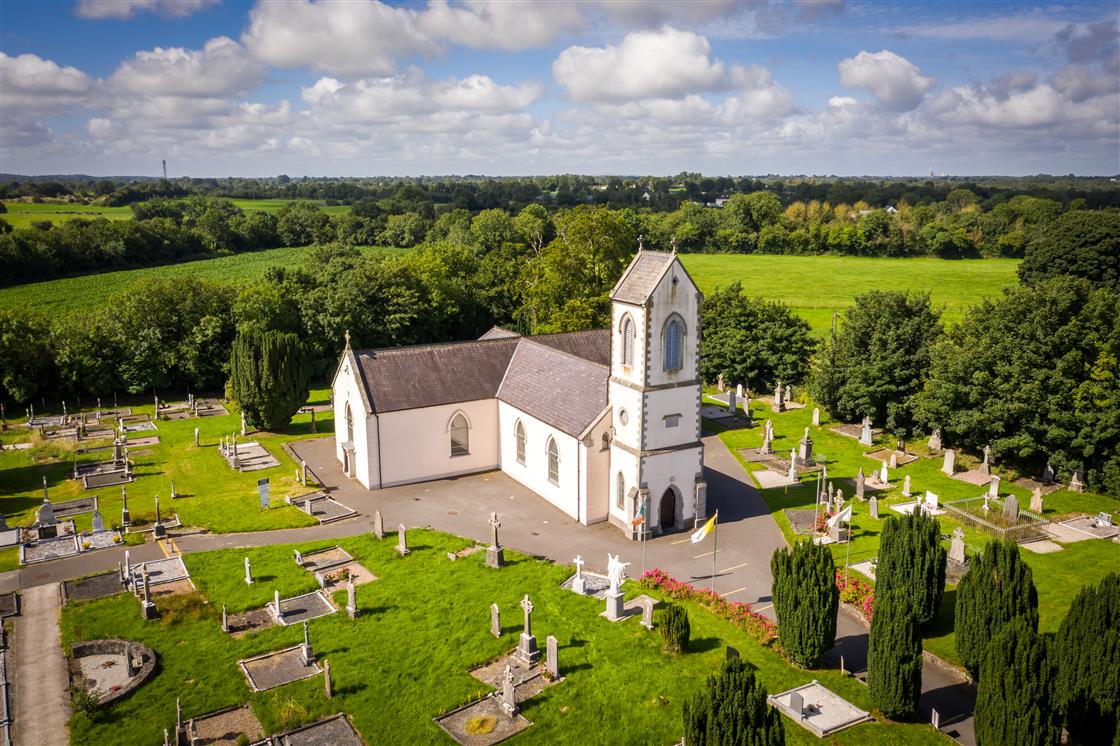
844,515
700,533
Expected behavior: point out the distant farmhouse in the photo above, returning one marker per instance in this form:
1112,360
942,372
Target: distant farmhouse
598,423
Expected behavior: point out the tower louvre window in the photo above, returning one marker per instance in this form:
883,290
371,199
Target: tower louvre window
627,342
673,334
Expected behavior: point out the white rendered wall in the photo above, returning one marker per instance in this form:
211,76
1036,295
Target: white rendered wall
346,390
662,403
665,301
597,467
678,468
534,472
633,373
416,443
629,401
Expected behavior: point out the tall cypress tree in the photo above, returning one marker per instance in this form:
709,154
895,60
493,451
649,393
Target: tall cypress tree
1088,687
912,560
805,601
271,377
997,589
731,710
894,655
1015,701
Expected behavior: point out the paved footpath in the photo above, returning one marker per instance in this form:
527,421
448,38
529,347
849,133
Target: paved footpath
747,536
42,708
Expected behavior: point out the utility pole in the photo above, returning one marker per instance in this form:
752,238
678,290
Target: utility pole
165,169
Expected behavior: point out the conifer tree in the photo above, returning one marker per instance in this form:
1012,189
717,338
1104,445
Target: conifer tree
1088,685
997,589
805,601
912,560
894,655
731,710
1015,701
270,377
675,629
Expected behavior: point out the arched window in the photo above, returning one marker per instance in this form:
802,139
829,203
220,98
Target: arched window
460,436
606,442
519,434
628,342
553,462
349,424
674,332
620,491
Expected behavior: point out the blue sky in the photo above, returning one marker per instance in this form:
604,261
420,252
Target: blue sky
358,87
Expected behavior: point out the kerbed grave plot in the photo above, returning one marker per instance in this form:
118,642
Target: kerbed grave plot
278,668
322,507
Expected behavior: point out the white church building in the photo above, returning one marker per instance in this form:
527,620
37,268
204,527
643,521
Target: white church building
598,423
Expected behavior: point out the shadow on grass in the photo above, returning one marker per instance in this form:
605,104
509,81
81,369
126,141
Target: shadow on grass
942,623
704,644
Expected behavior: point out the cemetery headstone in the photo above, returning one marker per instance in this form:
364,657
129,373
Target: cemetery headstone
225,619
817,416
351,599
647,615
906,486
98,522
865,432
402,541
739,390
1036,500
327,679
948,465
299,557
196,437
797,703
306,653
806,452
731,402
860,486
986,466
779,404
719,383
935,440
276,605
893,462
147,608
243,428
378,525
527,653
993,486
956,546
508,702
1048,474
495,553
248,573
495,621
578,583
884,475
551,662
1077,482
874,507
303,472
792,476
1011,508
158,530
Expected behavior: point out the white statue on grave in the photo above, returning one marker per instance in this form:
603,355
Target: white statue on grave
616,572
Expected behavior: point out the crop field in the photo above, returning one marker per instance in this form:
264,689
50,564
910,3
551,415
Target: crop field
23,214
815,286
76,294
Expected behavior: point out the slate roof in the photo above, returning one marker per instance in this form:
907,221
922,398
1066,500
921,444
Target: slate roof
593,345
431,375
497,332
641,277
558,388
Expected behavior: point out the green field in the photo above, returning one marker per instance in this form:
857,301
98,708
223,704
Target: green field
423,623
815,286
22,214
79,294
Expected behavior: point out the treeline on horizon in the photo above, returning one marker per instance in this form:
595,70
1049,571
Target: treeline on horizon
189,219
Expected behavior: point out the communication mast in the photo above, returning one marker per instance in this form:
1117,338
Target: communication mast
165,169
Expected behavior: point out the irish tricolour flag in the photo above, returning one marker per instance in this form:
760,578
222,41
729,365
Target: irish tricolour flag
700,533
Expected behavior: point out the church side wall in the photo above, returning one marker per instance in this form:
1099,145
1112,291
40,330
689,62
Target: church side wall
596,471
416,443
534,473
346,390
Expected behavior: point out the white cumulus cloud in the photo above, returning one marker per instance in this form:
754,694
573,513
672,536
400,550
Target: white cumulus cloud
29,81
504,24
124,9
666,63
222,67
895,81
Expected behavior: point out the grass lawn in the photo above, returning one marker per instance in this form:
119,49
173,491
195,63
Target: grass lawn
23,214
1057,576
815,286
214,496
79,294
405,659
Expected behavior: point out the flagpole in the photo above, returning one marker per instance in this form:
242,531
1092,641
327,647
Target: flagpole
848,553
642,528
715,548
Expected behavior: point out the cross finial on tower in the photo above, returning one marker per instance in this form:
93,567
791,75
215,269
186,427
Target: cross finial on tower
347,335
641,242
674,244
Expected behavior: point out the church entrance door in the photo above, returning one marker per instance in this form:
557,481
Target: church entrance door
667,513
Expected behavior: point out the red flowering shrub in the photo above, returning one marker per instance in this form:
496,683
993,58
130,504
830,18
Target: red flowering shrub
856,592
737,612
